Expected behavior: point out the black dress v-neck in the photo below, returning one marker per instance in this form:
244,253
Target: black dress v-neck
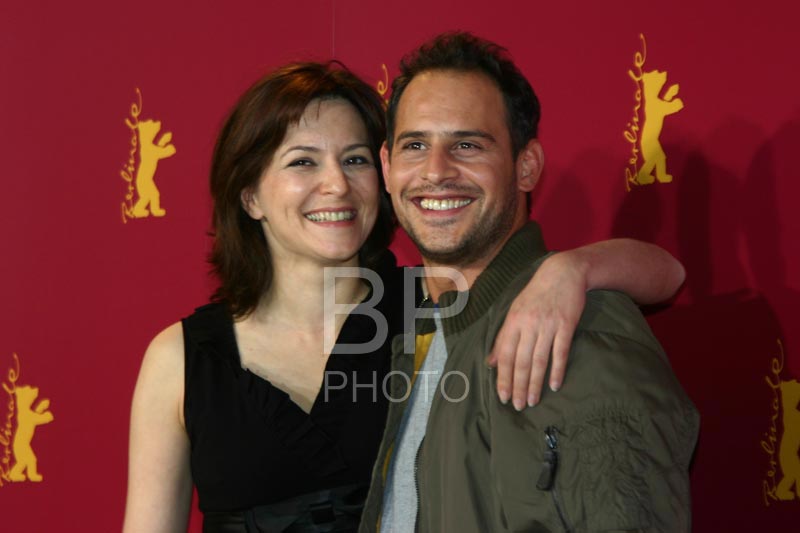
251,445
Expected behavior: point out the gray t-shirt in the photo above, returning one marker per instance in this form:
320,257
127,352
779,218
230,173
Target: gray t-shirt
400,495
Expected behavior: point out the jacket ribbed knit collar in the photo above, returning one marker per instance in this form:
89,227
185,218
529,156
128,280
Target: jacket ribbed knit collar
524,247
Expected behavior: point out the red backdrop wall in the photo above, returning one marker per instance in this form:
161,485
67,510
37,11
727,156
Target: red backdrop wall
85,286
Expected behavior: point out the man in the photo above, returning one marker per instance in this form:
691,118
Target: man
610,451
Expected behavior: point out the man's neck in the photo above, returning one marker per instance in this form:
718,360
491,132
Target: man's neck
441,278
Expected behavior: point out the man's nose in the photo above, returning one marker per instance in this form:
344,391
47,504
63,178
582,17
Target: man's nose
438,165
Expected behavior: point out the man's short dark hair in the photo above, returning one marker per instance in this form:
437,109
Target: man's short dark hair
464,52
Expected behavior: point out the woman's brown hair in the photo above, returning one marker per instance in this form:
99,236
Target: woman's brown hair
240,257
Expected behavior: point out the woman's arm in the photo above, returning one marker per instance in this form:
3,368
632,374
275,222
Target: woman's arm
544,315
159,480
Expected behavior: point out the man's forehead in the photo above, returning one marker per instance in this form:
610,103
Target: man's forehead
450,101
452,82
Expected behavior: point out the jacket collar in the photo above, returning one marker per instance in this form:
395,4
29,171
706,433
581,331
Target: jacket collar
523,249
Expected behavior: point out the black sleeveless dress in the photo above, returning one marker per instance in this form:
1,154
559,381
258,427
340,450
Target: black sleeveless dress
258,461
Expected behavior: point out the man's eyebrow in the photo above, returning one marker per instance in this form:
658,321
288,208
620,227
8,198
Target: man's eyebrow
450,134
472,133
412,134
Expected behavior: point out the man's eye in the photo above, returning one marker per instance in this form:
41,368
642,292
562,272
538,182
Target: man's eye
414,145
301,163
466,145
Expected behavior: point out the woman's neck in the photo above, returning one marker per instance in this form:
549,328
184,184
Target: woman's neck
302,295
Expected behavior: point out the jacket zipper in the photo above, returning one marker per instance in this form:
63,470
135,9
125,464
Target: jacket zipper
547,477
416,483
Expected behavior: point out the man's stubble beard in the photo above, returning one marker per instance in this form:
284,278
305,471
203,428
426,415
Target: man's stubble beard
480,239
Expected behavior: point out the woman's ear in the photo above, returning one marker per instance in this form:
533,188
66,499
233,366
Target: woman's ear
250,205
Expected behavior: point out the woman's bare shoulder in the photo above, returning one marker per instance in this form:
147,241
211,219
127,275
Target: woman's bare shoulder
163,364
168,341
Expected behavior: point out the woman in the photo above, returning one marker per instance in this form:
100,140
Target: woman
241,398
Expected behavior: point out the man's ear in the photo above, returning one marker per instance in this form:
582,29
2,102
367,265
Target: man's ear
530,163
250,205
385,164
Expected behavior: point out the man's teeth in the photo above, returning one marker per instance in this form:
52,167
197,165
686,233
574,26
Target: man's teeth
443,205
331,216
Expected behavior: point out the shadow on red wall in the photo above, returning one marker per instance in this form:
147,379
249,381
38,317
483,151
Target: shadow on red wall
724,338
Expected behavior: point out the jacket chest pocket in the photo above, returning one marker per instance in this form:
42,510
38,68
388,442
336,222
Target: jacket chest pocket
596,476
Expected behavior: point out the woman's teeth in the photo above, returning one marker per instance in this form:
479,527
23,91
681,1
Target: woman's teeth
331,216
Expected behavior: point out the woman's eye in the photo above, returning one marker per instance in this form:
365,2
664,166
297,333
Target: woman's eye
301,163
356,160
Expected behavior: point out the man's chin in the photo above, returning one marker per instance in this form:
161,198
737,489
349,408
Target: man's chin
459,248
454,254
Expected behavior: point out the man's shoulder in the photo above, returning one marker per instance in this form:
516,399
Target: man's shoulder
505,297
615,357
606,312
614,313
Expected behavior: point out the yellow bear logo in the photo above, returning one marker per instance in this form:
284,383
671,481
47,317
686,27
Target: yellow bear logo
150,153
25,466
788,457
655,109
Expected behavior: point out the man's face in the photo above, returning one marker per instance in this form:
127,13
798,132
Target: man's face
451,174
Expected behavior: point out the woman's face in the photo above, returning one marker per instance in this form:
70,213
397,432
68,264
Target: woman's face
318,198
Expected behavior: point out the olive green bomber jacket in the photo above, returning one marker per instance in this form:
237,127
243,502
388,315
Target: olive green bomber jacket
609,452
